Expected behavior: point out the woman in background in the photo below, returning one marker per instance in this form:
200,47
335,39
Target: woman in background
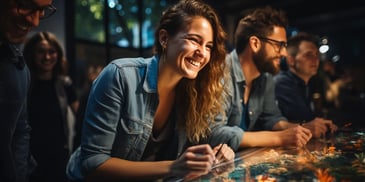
51,107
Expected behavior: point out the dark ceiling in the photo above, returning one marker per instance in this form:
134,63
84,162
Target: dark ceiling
343,21
317,16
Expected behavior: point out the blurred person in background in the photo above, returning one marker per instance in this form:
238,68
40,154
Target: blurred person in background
292,89
92,72
17,18
52,104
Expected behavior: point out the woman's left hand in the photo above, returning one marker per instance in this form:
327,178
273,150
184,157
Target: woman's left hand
224,160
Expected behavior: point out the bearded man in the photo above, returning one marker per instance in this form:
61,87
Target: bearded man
260,43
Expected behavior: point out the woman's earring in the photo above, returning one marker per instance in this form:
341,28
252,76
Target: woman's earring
163,53
163,44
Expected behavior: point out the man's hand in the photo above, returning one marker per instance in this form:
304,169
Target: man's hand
319,127
295,136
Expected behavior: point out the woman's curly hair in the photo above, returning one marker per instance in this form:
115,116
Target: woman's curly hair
199,99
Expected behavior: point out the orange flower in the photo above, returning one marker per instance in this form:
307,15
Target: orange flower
324,176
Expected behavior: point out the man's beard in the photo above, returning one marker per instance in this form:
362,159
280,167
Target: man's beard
264,63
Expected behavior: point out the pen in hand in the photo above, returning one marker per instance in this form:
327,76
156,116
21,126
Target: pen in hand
219,150
216,161
223,162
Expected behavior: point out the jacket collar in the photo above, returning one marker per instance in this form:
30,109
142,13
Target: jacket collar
236,67
150,82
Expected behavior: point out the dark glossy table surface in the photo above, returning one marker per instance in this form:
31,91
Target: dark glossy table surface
337,157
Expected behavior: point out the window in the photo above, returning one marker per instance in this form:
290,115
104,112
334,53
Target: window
89,20
127,31
130,23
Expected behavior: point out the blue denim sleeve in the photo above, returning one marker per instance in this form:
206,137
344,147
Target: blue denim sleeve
225,129
230,135
101,118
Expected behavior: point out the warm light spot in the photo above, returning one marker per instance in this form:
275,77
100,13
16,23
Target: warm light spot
265,178
324,176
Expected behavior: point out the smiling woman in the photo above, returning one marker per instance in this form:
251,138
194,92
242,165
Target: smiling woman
157,112
51,107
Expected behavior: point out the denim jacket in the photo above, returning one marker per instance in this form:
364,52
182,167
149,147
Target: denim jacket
262,108
119,116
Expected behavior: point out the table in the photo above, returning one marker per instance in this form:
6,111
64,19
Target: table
339,157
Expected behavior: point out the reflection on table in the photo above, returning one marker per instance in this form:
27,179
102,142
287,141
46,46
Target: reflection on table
339,157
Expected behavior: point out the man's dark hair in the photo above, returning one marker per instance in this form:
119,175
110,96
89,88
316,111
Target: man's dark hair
259,22
295,40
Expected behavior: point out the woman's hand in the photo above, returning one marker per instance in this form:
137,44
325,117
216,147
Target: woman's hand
224,159
194,162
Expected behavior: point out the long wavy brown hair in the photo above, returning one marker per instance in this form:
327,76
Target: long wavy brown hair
199,100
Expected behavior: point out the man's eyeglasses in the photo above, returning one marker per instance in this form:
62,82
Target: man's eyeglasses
280,44
26,8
